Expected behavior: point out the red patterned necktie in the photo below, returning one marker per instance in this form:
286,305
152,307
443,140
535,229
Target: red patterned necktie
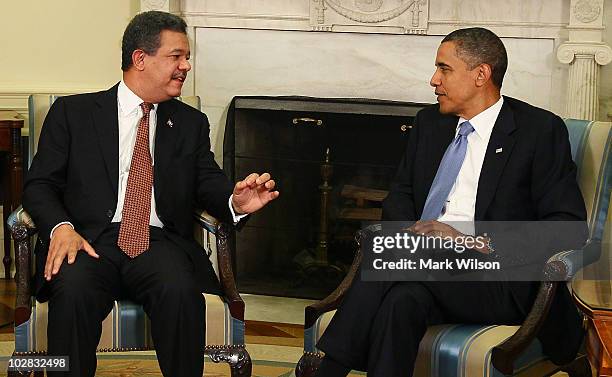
134,229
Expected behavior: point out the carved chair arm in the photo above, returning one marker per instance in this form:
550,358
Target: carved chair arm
333,300
564,265
559,268
224,260
22,228
505,354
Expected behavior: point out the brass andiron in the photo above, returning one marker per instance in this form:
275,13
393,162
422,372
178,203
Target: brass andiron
327,171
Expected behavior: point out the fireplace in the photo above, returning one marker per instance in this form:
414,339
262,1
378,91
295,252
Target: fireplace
333,160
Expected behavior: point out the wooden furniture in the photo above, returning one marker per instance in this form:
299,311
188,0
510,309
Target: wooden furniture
12,179
594,298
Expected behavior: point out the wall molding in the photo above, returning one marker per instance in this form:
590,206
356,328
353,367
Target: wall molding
17,99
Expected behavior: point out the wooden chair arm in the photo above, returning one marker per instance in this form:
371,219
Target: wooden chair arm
333,300
505,354
21,233
226,273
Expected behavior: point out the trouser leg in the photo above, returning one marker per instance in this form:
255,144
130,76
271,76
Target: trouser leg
81,296
162,279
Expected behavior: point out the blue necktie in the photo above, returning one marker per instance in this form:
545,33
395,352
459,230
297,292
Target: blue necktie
447,173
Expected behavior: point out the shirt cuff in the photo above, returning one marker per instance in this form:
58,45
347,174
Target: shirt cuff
62,223
235,217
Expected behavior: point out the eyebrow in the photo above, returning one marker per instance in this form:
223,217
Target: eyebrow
443,65
180,50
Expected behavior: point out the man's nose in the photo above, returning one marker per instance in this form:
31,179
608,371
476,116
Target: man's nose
435,79
185,65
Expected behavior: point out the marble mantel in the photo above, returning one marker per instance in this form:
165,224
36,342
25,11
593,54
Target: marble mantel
379,48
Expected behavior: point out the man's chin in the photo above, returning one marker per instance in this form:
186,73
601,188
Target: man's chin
444,109
174,93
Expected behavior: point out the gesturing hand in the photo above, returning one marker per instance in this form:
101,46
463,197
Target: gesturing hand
254,192
65,242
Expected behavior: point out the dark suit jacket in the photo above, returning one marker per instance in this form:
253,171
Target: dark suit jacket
532,179
74,175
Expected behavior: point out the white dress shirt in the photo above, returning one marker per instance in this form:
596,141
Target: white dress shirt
129,115
461,202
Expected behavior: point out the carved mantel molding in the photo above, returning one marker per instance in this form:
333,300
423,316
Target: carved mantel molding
405,16
600,52
171,6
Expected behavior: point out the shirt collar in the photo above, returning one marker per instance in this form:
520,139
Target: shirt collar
483,122
128,101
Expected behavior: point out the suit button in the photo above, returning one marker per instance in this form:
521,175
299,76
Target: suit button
109,213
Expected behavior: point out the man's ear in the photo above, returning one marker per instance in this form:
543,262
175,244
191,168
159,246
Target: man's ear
483,74
138,57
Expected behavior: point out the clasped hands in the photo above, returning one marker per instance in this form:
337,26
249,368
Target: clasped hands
434,228
249,195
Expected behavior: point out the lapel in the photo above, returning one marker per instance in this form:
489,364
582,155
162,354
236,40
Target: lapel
440,137
106,124
165,136
494,163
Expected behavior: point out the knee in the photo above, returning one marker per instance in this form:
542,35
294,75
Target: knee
179,291
406,302
71,284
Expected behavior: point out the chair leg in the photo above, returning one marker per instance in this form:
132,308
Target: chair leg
237,357
578,368
308,364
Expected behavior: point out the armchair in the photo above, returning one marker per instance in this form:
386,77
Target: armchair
127,327
470,350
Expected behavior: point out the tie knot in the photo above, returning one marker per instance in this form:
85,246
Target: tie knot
146,107
465,128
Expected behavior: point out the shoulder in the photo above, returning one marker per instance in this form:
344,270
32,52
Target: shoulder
532,116
84,101
184,108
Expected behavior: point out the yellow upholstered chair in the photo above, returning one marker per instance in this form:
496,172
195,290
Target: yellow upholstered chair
127,327
471,350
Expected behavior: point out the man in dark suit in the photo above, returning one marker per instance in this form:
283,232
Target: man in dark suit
474,156
112,190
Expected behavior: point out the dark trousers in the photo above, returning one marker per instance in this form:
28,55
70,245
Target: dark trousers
161,279
379,325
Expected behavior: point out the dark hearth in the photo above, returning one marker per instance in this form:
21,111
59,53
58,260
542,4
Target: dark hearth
333,160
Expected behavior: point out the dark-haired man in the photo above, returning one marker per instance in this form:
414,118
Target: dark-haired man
475,156
112,190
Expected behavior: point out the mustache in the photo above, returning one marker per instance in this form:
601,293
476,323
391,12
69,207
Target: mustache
179,76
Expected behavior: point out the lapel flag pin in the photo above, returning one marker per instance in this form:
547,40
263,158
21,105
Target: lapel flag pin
169,123
499,150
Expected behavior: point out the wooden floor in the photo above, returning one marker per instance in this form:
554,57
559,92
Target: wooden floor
7,305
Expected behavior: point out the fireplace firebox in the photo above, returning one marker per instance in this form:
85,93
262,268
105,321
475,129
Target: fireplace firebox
333,160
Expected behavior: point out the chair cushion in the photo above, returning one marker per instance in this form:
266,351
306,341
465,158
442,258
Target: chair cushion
127,327
457,350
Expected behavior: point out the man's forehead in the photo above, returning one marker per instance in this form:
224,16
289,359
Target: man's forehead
446,53
174,41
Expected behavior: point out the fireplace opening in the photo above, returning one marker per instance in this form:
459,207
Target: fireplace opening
333,161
